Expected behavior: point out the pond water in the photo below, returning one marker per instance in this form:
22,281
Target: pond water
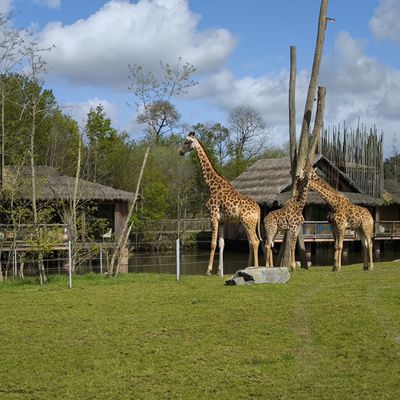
195,262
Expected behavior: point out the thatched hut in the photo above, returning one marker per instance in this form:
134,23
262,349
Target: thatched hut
111,204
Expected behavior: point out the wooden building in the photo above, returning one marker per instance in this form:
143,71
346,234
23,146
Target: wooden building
108,204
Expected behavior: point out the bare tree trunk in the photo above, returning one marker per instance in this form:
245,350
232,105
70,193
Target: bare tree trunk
284,251
3,134
292,115
123,239
74,205
21,265
32,157
303,151
319,118
41,270
304,136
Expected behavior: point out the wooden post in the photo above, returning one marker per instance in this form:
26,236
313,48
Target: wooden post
304,136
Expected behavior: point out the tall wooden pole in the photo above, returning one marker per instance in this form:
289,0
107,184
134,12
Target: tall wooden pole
292,114
312,88
299,159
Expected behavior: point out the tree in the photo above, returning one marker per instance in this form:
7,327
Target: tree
10,56
247,138
306,150
215,137
150,92
154,96
248,132
101,137
36,66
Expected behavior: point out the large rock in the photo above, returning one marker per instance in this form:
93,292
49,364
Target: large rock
253,275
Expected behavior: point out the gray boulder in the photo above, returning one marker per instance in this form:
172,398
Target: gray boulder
253,275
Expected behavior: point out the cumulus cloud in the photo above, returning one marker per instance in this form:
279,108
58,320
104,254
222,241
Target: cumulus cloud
5,6
385,23
268,94
359,86
97,50
52,4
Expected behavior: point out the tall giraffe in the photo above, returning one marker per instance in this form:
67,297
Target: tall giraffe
288,218
225,205
343,215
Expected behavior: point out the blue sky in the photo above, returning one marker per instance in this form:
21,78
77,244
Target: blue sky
240,49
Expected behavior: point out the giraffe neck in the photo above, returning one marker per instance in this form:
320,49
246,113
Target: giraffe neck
210,175
332,197
301,197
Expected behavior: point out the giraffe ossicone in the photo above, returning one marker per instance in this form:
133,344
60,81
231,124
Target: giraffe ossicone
225,205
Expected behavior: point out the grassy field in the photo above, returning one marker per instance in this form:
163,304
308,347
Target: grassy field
322,335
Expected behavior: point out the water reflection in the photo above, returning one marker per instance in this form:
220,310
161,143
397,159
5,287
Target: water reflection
195,262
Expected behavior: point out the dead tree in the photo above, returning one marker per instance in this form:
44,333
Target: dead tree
300,156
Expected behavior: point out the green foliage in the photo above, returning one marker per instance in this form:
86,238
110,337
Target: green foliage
392,167
320,336
54,130
105,150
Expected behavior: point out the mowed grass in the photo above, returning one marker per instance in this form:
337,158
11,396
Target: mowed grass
322,335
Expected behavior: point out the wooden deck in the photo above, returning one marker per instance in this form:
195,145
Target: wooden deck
23,239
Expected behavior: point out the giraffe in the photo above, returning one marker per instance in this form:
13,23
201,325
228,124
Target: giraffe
344,214
225,205
288,218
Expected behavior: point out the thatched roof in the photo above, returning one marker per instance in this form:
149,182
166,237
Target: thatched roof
268,182
50,185
391,194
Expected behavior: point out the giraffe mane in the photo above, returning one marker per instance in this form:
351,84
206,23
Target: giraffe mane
212,163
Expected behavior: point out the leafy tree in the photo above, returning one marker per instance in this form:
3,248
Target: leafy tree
216,139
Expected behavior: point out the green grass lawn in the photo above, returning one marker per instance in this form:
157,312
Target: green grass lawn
322,335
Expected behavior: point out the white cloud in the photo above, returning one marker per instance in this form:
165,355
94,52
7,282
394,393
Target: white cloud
359,86
385,23
53,4
267,94
97,50
5,6
80,110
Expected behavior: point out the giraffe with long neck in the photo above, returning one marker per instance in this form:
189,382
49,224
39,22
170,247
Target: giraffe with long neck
288,218
345,215
225,205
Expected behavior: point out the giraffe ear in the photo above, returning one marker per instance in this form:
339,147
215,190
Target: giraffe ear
191,134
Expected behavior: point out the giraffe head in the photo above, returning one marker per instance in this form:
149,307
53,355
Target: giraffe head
310,173
188,145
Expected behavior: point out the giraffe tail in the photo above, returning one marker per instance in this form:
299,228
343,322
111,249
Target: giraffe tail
260,237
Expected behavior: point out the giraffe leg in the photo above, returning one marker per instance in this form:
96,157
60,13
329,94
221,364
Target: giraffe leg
214,235
268,252
370,251
338,253
364,246
292,244
250,258
271,232
367,244
335,234
253,244
221,243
